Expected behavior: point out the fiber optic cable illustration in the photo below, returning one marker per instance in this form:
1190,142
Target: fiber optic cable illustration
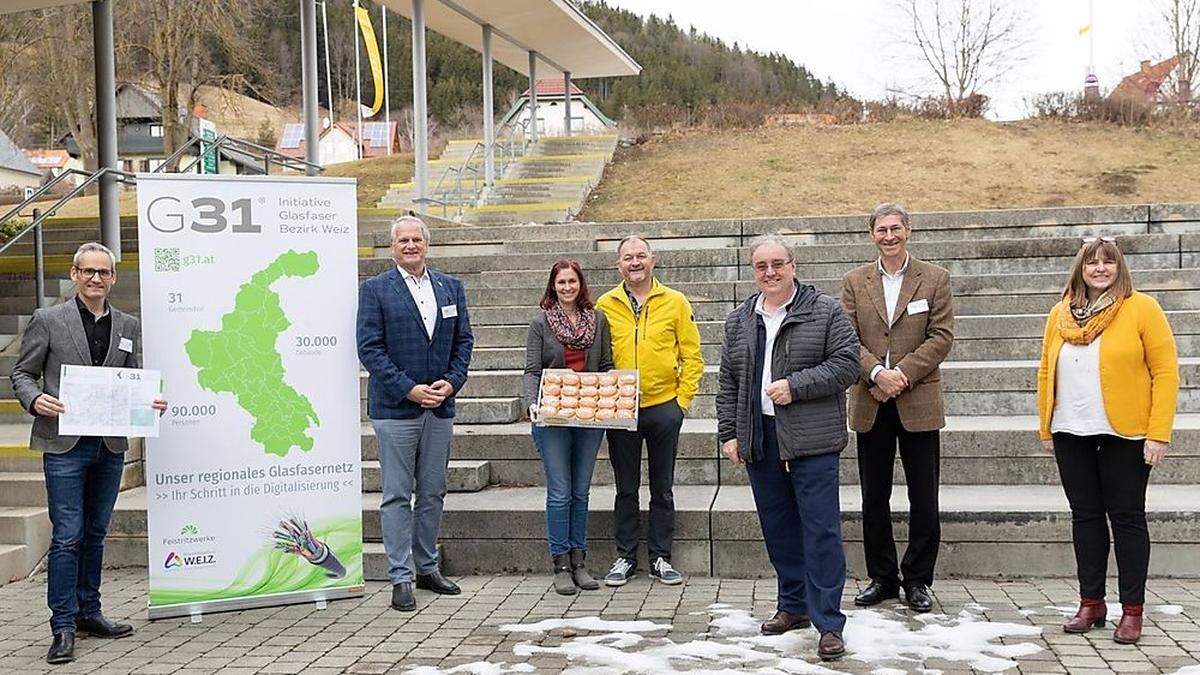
294,536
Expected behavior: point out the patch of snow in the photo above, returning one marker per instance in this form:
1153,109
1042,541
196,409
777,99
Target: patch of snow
588,623
1188,670
478,668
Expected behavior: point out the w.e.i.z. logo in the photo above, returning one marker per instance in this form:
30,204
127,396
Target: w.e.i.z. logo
207,215
174,560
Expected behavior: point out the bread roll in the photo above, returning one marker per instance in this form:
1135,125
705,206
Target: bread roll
589,379
607,390
547,411
570,378
628,390
569,390
551,401
568,402
609,403
624,414
622,403
627,378
566,413
605,414
608,380
585,413
588,391
552,378
551,389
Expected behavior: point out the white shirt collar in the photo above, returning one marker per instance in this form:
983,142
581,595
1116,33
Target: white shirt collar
406,275
900,273
758,304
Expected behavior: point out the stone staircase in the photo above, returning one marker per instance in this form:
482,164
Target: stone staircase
1004,513
546,185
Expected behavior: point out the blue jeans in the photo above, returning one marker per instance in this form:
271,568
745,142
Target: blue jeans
413,458
568,457
800,514
81,489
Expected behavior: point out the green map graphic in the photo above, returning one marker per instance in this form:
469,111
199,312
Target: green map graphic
241,358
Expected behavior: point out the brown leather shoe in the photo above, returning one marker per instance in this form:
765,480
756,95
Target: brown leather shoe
1129,630
1092,613
783,621
831,646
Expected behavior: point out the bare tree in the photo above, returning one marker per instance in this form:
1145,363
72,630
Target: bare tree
66,76
19,39
178,43
966,44
1182,19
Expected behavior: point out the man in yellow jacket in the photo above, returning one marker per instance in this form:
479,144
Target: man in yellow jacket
653,330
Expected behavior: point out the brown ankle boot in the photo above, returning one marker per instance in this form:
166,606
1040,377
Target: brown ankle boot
1129,630
1091,614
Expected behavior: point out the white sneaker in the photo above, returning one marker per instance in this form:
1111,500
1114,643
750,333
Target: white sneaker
620,573
665,573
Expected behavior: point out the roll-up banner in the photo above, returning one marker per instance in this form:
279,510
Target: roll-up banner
248,294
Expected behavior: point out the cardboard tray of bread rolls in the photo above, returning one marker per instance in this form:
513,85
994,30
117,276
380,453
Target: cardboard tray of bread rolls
590,400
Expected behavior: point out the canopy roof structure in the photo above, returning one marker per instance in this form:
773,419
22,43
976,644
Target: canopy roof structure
563,37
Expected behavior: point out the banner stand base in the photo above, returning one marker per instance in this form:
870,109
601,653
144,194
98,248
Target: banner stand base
197,610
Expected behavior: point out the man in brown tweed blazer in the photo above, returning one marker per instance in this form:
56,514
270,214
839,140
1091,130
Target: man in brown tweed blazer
903,312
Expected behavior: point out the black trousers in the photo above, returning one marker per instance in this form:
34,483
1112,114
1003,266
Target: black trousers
920,453
659,427
1105,479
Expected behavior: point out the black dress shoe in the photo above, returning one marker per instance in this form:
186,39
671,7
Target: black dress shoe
783,621
402,597
918,598
876,593
98,626
434,581
62,649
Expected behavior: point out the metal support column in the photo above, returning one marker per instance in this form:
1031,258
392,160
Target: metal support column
106,123
533,102
308,58
387,92
420,115
566,103
39,262
489,112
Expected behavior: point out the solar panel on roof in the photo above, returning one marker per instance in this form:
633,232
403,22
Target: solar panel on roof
376,134
293,134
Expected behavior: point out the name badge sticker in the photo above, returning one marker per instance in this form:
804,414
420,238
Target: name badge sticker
449,311
918,306
125,345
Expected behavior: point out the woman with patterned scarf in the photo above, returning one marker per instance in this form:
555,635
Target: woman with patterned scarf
568,333
1107,385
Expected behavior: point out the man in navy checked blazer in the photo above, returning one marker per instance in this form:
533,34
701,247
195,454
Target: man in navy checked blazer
414,338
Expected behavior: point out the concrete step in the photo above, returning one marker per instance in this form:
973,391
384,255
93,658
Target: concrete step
11,412
22,488
975,450
12,562
28,528
990,530
461,475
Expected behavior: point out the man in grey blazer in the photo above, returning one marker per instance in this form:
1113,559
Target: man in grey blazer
83,474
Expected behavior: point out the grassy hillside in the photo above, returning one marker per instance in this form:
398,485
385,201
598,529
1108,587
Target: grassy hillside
928,166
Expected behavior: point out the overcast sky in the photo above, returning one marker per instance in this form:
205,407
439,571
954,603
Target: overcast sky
857,43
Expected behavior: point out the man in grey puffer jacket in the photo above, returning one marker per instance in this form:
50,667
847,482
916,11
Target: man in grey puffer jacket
789,355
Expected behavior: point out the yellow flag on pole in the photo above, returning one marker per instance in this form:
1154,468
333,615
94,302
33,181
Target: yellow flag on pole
372,45
1084,31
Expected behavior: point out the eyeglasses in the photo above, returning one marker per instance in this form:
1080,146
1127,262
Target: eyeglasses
89,272
1092,240
777,265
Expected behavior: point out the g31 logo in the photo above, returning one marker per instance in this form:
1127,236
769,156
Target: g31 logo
204,214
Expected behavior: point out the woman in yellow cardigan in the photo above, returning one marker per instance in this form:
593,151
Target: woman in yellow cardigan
1107,385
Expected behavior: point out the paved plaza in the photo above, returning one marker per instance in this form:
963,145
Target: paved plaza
489,629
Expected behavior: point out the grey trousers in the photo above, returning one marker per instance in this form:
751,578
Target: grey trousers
413,457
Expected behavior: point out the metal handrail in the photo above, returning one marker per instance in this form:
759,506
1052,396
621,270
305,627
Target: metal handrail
120,177
254,150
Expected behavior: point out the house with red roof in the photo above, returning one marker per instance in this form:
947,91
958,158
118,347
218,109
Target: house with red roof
586,118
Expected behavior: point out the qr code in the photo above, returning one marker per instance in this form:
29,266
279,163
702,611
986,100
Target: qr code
166,260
